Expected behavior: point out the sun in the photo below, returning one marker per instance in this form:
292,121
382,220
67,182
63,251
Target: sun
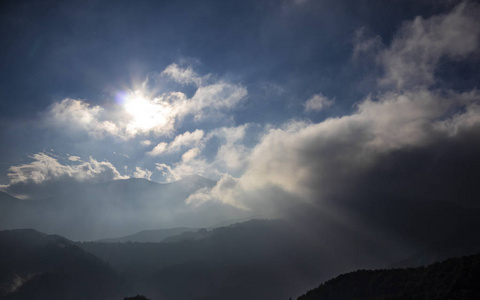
146,114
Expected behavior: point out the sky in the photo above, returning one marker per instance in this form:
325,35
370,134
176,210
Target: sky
279,100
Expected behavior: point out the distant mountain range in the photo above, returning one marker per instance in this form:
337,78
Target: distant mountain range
170,234
87,211
149,236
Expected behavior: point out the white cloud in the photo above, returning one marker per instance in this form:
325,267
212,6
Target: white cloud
167,172
187,139
225,190
158,149
417,48
142,173
190,154
194,165
46,168
213,99
78,115
183,75
74,158
121,154
232,154
317,103
142,113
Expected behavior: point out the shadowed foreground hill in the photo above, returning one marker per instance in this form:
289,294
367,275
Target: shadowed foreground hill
34,265
455,278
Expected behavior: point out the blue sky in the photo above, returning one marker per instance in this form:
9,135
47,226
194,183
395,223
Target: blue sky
292,97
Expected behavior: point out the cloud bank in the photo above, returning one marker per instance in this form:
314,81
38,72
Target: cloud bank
328,160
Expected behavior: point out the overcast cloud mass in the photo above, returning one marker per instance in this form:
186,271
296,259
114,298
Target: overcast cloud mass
281,102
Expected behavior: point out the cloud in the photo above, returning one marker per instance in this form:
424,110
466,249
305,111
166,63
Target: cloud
224,190
187,139
74,158
430,130
158,149
221,151
212,99
419,45
142,112
190,154
319,161
46,169
317,103
232,154
167,172
78,115
184,75
142,173
364,45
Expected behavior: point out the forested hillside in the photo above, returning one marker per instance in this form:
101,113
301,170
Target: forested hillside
455,278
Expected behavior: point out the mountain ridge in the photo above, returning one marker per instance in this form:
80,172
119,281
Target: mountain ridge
36,265
454,278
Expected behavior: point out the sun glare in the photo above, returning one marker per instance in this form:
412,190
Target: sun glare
145,114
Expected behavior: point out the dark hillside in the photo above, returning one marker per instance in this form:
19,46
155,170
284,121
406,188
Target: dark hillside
34,265
455,278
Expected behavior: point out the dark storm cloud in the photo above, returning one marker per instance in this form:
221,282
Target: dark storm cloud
340,157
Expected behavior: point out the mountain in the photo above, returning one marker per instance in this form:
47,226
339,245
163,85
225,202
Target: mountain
150,236
275,259
455,278
39,266
88,211
258,259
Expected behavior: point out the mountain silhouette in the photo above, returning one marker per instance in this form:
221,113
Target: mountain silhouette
40,266
149,236
455,278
